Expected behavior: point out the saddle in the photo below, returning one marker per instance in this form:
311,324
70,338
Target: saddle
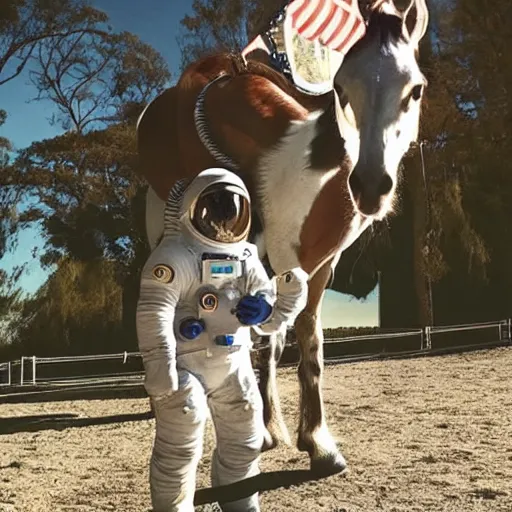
169,147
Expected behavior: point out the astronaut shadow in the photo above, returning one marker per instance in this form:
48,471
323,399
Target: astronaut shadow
269,481
61,421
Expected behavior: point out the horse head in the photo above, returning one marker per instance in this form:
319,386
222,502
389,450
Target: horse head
378,93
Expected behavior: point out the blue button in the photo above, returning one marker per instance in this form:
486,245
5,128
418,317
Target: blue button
190,328
225,340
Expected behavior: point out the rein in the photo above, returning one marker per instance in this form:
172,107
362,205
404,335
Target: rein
204,132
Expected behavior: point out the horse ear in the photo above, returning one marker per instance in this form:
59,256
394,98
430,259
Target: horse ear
415,26
385,6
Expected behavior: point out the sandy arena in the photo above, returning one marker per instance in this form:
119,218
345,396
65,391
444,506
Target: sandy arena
428,434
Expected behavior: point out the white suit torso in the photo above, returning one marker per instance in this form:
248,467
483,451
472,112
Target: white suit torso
187,377
172,287
187,289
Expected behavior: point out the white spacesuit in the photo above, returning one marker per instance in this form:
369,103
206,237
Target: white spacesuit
202,289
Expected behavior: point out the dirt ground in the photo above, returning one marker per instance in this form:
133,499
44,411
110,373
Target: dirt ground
430,434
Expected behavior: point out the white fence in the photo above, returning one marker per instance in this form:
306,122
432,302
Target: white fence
33,370
6,369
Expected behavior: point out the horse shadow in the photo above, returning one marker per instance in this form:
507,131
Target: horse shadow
61,421
269,481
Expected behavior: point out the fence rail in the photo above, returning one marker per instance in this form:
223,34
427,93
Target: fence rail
33,370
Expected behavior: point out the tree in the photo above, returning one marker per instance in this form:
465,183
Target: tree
80,187
99,83
11,304
9,294
77,311
26,24
223,25
89,201
473,66
83,190
8,197
42,28
97,79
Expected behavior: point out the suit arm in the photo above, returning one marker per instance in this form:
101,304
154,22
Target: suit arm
155,328
292,295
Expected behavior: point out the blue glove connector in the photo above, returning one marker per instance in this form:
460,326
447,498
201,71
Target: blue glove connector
253,309
191,328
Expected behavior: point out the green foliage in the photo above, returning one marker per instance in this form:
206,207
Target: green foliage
7,198
9,294
222,25
81,188
78,311
11,305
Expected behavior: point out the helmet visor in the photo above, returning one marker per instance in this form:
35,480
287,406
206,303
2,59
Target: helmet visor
222,214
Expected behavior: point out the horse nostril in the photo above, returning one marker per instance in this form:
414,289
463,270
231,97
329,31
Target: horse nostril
355,184
386,184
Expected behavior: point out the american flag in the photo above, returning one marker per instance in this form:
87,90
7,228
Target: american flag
337,24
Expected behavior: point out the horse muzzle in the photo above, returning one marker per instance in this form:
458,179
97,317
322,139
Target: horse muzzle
369,190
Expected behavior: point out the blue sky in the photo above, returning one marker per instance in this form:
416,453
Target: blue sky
156,23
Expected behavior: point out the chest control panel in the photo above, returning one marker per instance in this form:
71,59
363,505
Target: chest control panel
218,269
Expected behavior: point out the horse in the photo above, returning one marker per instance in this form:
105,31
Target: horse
320,170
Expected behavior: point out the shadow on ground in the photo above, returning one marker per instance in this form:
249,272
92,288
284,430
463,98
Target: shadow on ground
35,394
259,483
37,423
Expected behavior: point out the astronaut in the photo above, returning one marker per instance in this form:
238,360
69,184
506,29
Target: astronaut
202,290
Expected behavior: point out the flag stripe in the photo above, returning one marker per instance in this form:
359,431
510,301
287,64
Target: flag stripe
335,23
327,13
309,23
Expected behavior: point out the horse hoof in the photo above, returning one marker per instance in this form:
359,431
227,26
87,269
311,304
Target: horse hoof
332,464
269,442
302,446
273,438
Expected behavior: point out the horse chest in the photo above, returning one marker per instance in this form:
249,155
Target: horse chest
287,188
332,224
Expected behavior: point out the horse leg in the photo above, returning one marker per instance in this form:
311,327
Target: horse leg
269,357
314,436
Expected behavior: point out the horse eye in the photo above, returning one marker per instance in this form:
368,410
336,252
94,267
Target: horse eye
416,92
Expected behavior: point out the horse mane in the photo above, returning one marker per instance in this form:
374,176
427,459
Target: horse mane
389,26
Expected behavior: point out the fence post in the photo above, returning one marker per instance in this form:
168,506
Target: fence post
21,370
33,370
9,373
125,357
428,336
422,339
510,329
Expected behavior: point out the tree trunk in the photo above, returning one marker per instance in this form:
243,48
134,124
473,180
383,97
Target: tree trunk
419,201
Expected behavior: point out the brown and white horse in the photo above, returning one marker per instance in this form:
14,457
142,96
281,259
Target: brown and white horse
320,170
